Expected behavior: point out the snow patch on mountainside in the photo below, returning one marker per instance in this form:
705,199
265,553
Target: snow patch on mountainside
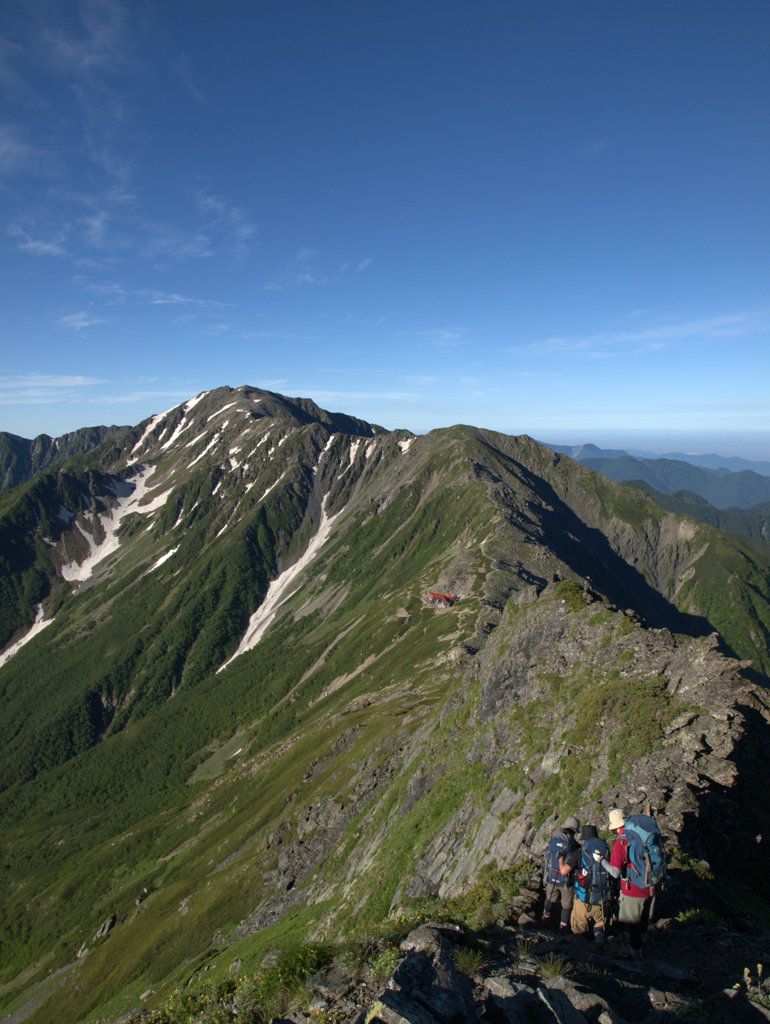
220,411
129,495
212,443
147,431
270,488
192,402
323,452
281,589
180,429
34,629
195,440
163,558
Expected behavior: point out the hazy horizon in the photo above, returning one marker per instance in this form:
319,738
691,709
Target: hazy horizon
753,447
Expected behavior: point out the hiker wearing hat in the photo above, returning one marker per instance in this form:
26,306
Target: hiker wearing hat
559,862
593,887
637,881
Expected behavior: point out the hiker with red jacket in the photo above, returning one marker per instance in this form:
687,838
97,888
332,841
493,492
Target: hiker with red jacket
637,860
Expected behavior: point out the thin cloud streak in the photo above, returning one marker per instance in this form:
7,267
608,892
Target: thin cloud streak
48,380
732,325
80,321
49,389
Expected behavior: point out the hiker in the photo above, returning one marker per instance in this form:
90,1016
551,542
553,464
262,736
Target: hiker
593,888
637,859
559,862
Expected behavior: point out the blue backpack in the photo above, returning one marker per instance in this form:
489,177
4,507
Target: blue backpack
646,856
561,844
593,883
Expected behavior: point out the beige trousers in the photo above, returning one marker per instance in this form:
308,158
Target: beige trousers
583,914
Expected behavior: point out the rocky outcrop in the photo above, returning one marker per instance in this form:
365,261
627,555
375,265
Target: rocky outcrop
701,734
525,976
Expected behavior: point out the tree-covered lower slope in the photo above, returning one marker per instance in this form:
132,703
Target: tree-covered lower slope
351,756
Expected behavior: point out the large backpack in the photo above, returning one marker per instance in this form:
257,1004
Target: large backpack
646,856
561,844
593,882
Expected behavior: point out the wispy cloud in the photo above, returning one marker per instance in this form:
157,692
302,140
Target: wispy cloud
446,337
80,321
181,67
327,399
48,380
41,247
594,147
16,153
97,42
307,274
66,389
38,388
119,294
360,266
133,395
654,337
157,298
228,220
92,53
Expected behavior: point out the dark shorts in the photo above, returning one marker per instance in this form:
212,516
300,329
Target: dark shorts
560,894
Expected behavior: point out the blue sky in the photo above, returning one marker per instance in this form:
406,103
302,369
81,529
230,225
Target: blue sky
546,218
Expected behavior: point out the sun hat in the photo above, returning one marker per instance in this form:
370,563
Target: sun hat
589,832
572,823
617,819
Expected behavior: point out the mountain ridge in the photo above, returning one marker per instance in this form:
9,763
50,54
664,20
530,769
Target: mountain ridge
21,458
368,749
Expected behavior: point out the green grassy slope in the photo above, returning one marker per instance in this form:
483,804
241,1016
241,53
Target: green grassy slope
278,794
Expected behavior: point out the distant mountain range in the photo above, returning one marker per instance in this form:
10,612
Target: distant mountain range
20,458
234,719
723,482
732,464
729,493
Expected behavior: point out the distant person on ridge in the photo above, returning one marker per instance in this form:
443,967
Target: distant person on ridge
593,888
639,862
559,862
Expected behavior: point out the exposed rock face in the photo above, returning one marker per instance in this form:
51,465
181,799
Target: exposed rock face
684,976
542,720
700,779
20,458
